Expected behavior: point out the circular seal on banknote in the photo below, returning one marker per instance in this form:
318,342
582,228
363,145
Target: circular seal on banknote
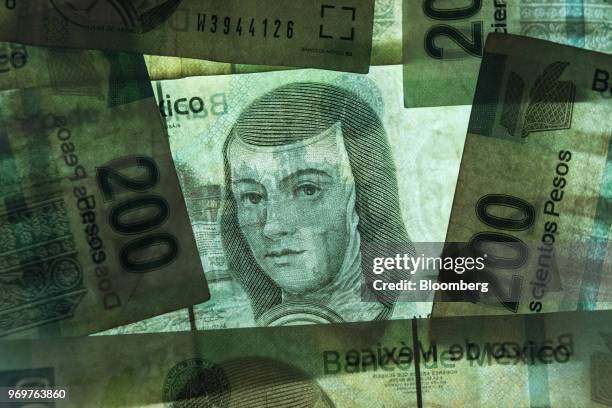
196,383
137,16
298,313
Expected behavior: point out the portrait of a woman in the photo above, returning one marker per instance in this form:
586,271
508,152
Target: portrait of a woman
309,182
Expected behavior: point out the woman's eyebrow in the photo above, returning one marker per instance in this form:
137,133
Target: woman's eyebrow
305,172
246,180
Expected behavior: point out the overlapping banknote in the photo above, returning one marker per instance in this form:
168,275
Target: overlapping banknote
304,33
324,164
534,193
24,66
443,40
94,231
386,49
557,360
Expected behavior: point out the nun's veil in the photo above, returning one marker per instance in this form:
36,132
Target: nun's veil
299,111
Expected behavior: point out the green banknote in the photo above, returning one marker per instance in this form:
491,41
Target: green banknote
534,193
18,58
93,225
301,262
386,50
289,176
558,360
20,67
443,40
305,33
25,66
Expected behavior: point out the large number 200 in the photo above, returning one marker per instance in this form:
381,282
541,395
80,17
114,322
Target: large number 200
153,210
508,298
472,46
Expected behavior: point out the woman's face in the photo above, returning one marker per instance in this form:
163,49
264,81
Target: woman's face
292,203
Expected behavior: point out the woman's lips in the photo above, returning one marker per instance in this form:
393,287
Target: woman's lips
283,257
283,253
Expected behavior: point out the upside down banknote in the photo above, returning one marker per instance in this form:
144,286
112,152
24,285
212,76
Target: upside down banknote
535,186
559,360
304,33
443,40
94,232
289,175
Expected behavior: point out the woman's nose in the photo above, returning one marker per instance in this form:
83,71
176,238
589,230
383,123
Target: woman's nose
280,219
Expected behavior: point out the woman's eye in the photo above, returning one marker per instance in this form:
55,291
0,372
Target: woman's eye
253,198
308,190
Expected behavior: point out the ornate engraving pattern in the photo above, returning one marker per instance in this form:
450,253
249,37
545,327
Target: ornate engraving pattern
196,382
81,65
552,101
41,280
138,17
384,17
584,23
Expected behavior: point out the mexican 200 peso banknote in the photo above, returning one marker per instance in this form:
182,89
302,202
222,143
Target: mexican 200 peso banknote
556,359
290,176
534,192
93,225
444,39
304,33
